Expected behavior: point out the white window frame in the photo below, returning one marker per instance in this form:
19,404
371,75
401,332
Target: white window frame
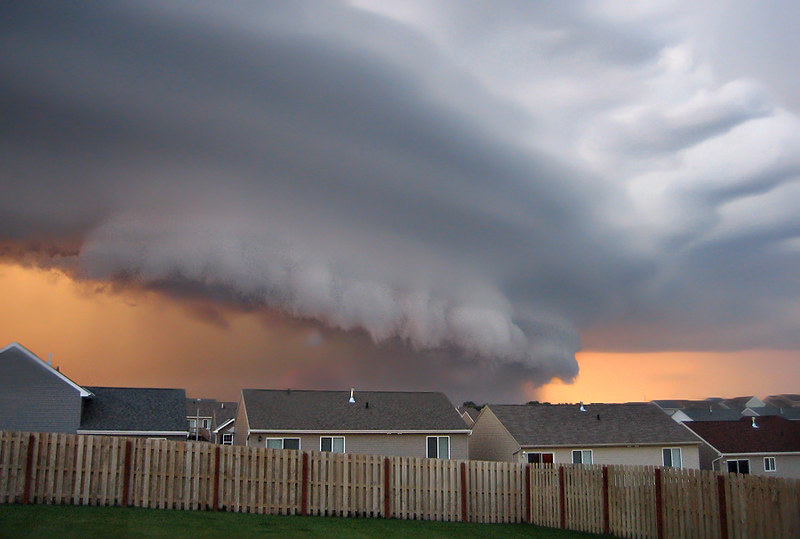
331,438
229,436
773,467
206,423
437,447
672,457
583,452
283,441
737,461
192,423
541,457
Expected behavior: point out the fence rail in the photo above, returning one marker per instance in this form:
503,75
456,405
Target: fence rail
624,501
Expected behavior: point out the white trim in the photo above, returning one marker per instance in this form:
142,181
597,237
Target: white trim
224,434
582,451
340,431
761,454
541,455
344,443
283,441
134,432
438,456
85,393
220,427
737,461
623,445
672,465
774,465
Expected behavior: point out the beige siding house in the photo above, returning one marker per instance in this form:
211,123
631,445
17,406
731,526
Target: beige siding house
768,446
615,434
409,424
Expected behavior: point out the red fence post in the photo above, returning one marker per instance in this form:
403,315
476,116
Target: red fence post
386,472
723,507
28,471
659,506
562,498
126,473
304,487
216,477
528,518
606,510
463,492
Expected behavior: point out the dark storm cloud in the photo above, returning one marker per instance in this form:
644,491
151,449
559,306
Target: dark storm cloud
350,168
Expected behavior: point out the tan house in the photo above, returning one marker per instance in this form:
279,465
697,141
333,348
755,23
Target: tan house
620,434
391,423
768,446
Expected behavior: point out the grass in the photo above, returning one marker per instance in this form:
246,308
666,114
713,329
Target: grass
64,521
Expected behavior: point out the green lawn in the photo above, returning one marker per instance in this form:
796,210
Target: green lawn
64,521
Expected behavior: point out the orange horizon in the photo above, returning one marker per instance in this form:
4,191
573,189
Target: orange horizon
48,312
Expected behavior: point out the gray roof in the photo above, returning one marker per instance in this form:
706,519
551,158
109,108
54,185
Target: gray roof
135,409
219,411
331,410
565,425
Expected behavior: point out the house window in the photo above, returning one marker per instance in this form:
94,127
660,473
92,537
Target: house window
334,444
283,443
192,424
227,439
739,466
540,458
672,456
769,464
582,456
438,447
206,423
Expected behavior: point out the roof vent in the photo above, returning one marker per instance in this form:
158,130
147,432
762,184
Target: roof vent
367,405
582,407
352,399
754,423
598,417
50,359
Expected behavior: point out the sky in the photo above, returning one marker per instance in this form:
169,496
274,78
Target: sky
504,201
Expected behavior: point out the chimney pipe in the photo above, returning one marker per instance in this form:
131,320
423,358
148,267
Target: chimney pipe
352,399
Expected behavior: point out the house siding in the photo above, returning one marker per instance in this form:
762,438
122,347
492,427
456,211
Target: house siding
390,445
33,399
627,456
785,465
491,441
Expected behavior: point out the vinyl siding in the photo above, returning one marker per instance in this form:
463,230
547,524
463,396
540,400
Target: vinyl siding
785,465
34,399
390,445
623,456
490,440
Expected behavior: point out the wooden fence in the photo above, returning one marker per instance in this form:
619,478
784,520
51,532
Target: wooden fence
622,501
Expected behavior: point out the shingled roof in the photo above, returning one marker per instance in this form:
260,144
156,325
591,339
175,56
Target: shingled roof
548,425
395,411
135,409
773,435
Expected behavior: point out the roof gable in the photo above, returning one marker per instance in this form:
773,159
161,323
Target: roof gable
599,424
19,352
291,410
773,435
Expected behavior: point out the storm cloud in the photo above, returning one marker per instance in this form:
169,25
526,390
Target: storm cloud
475,187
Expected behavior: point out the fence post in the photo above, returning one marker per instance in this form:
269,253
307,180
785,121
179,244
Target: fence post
463,492
528,518
28,471
659,505
562,498
126,474
606,511
723,507
386,472
216,476
304,488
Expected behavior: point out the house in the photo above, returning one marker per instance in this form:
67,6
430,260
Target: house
211,420
391,423
757,445
135,411
468,414
633,433
36,397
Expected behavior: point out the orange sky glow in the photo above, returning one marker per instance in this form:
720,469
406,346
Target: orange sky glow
100,336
